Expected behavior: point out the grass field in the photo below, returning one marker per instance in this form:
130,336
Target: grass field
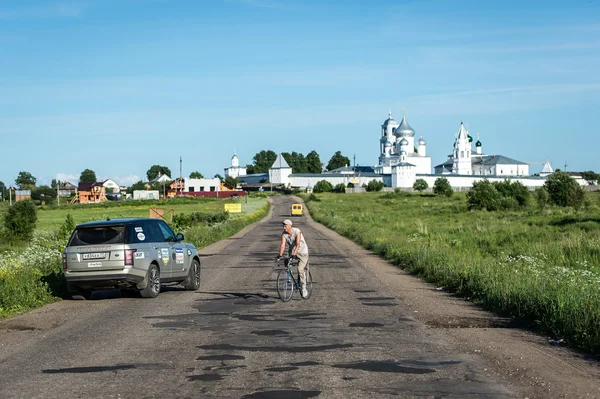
51,218
539,266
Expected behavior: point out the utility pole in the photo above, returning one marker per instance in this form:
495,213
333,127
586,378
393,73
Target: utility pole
58,193
180,173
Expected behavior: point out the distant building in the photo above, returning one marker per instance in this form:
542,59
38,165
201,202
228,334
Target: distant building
463,161
160,179
66,189
235,170
90,193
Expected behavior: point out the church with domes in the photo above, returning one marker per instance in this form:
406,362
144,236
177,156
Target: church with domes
397,144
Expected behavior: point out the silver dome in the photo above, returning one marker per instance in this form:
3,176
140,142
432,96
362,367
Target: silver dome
403,142
404,130
421,141
389,121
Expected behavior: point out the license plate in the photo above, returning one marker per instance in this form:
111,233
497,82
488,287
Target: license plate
94,255
94,264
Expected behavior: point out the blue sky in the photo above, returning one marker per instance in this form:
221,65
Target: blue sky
117,86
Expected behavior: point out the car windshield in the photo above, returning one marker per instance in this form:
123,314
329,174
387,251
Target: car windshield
98,235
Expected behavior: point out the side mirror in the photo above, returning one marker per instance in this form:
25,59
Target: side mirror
179,237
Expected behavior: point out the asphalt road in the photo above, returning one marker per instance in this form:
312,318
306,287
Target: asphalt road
356,337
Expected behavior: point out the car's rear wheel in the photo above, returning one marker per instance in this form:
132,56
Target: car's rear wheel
153,286
193,280
78,293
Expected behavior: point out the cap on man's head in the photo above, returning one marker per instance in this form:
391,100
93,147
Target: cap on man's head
287,221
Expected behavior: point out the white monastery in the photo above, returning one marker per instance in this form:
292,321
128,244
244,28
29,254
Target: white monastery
401,162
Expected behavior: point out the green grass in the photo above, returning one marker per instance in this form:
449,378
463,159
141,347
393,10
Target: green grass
51,218
539,266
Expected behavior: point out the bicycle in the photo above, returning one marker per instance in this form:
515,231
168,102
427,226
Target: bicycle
286,281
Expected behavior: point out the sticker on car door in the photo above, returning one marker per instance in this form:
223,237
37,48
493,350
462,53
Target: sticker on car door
179,255
164,254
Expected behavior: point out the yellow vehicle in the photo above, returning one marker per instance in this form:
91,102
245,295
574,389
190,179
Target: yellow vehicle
296,209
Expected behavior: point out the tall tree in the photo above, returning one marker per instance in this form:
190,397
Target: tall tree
25,181
2,191
196,175
263,161
157,170
140,185
43,193
297,161
313,162
590,176
88,176
218,176
54,183
338,161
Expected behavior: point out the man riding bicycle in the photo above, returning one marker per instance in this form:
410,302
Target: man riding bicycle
296,247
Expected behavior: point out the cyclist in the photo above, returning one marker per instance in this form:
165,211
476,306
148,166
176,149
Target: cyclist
296,247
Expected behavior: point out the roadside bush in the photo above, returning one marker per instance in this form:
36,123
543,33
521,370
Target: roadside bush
339,188
514,190
20,220
322,186
483,196
66,229
420,185
563,190
350,185
442,187
183,220
375,185
312,197
497,196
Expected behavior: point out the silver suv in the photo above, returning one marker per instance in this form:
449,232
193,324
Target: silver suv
129,254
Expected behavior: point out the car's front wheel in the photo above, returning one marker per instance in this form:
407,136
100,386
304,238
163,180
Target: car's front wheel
153,286
193,280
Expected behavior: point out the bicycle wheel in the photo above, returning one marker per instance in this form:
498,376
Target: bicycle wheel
309,282
285,285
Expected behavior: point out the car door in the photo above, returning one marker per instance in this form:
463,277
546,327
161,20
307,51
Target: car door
179,256
163,245
176,250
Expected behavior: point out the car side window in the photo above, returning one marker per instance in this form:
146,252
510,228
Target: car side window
167,233
153,232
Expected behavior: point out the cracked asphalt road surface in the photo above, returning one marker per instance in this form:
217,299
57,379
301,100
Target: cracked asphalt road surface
370,330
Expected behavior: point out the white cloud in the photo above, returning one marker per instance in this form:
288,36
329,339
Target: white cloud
126,180
71,178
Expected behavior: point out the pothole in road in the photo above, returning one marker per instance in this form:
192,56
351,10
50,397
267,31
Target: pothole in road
366,325
221,357
282,394
271,332
290,349
387,366
205,377
307,363
281,369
